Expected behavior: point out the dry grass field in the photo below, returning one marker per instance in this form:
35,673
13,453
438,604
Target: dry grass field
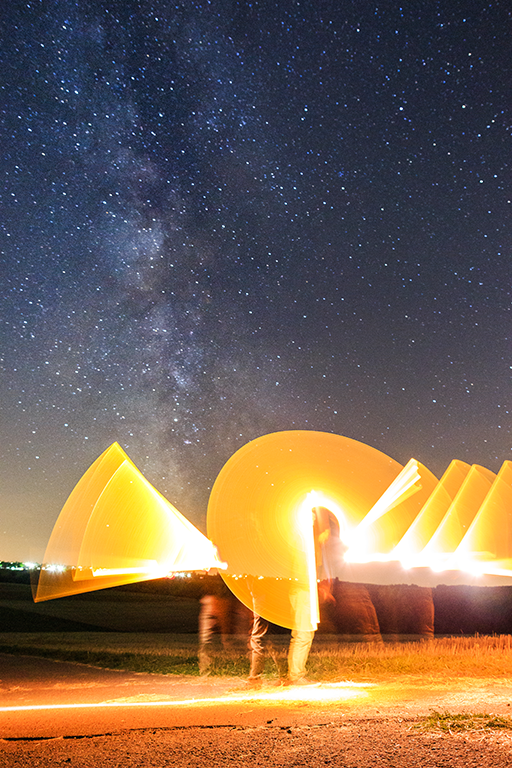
330,660
157,632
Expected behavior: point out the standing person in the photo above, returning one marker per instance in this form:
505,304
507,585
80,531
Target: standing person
218,606
302,639
259,644
324,525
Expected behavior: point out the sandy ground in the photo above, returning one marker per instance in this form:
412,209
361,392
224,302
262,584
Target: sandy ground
55,713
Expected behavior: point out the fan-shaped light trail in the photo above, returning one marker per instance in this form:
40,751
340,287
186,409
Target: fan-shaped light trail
115,528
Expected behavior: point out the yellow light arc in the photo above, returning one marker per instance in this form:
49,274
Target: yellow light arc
116,528
255,504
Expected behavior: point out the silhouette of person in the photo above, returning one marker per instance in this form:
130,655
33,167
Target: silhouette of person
302,639
216,615
325,526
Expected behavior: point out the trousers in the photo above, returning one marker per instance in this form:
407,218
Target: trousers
215,614
298,653
257,646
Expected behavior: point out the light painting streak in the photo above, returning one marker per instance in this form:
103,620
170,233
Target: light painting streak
314,693
116,528
305,524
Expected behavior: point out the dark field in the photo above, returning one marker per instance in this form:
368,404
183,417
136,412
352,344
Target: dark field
111,610
152,627
172,606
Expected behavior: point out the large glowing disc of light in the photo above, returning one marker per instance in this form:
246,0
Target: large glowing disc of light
115,528
256,513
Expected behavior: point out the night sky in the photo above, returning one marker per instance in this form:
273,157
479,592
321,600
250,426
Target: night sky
221,219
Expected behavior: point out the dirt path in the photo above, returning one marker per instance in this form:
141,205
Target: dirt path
75,714
355,743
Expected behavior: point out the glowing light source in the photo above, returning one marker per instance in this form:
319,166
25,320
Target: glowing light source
458,517
314,693
487,542
431,514
115,528
254,514
380,531
305,526
261,500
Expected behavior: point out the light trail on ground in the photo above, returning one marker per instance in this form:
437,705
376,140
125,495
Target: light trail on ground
312,693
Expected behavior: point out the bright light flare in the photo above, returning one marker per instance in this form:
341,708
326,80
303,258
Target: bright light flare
401,517
115,528
382,528
320,692
255,503
305,525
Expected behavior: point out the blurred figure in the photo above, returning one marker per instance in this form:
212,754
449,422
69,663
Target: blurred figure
300,644
325,527
258,646
352,613
404,610
217,615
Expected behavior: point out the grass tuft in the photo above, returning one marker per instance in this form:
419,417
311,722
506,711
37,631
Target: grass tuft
453,723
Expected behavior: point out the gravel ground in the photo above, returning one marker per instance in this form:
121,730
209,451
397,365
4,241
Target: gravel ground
356,743
376,729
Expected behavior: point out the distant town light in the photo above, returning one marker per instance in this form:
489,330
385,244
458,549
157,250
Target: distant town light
55,568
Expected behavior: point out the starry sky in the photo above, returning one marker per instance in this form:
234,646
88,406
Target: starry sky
223,218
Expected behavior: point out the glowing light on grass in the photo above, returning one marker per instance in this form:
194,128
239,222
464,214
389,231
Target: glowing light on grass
319,693
115,528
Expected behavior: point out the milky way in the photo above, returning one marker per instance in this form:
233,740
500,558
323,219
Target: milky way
222,219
